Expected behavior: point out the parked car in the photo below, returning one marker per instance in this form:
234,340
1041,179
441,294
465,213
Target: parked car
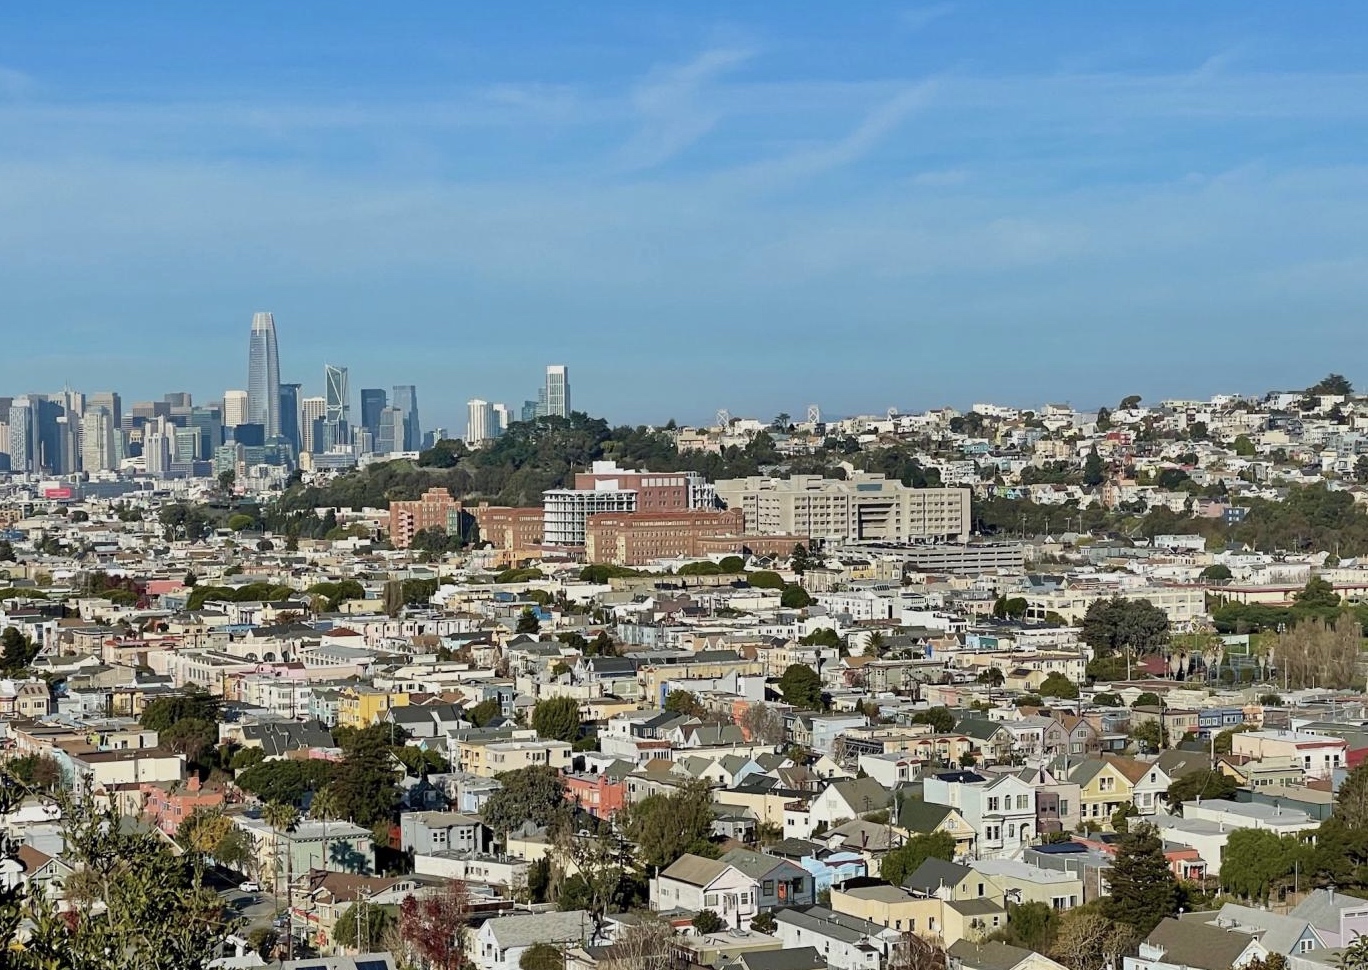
250,886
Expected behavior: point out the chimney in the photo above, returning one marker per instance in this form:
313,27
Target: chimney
193,784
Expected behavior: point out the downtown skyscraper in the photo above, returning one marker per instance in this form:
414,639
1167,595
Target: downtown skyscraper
263,376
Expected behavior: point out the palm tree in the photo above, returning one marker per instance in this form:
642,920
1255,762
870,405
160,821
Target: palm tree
281,817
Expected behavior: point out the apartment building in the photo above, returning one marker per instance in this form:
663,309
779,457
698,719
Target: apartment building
434,509
866,508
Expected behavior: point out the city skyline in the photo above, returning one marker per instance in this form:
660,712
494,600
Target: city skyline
1125,197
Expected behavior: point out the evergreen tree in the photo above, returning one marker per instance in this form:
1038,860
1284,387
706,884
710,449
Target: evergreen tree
1143,890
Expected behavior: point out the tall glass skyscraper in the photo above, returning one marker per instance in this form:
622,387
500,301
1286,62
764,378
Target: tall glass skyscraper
558,391
406,400
289,417
263,375
374,400
337,404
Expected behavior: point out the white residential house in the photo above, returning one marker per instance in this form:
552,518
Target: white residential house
693,883
1148,793
1001,810
849,799
501,942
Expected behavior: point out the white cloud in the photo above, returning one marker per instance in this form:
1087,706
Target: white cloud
673,109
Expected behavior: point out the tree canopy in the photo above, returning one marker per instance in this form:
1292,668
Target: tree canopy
802,687
1143,890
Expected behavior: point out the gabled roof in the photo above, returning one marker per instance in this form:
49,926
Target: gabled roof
695,870
863,794
934,873
978,728
754,864
916,815
1198,945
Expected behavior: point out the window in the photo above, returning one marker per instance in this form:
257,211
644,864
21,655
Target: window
993,803
767,887
1063,806
710,900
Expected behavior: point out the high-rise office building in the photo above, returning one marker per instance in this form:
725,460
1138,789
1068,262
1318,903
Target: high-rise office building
391,433
21,443
480,426
289,417
531,410
502,417
97,440
311,411
110,401
337,394
234,408
178,399
373,401
263,375
209,423
557,391
406,399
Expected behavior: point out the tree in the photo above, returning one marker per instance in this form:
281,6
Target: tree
195,704
1143,890
365,785
18,652
285,780
1129,403
1197,785
1243,447
1113,625
190,579
1216,573
1254,861
1224,742
362,926
435,925
1148,699
1033,925
1317,592
7,551
992,676
1120,819
684,702
802,688
765,579
1107,699
134,903
794,597
528,622
901,862
645,945
706,921
1094,471
541,956
600,862
732,564
763,723
484,712
1010,607
942,721
1333,385
665,827
1058,685
1088,940
535,794
1148,734
227,479
557,718
799,560
192,737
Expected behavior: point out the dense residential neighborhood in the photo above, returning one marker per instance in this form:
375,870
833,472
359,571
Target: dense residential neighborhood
996,689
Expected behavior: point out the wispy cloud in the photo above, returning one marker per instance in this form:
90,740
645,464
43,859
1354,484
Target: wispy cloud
924,15
673,110
807,163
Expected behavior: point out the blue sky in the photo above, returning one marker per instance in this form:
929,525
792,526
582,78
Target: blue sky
746,205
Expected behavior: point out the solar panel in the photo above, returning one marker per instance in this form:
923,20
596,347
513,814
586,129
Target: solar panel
372,965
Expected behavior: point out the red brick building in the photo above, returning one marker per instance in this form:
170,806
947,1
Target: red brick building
434,509
517,531
635,538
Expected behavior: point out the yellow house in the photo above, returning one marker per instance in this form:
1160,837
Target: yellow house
360,707
1105,784
487,758
768,807
940,921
